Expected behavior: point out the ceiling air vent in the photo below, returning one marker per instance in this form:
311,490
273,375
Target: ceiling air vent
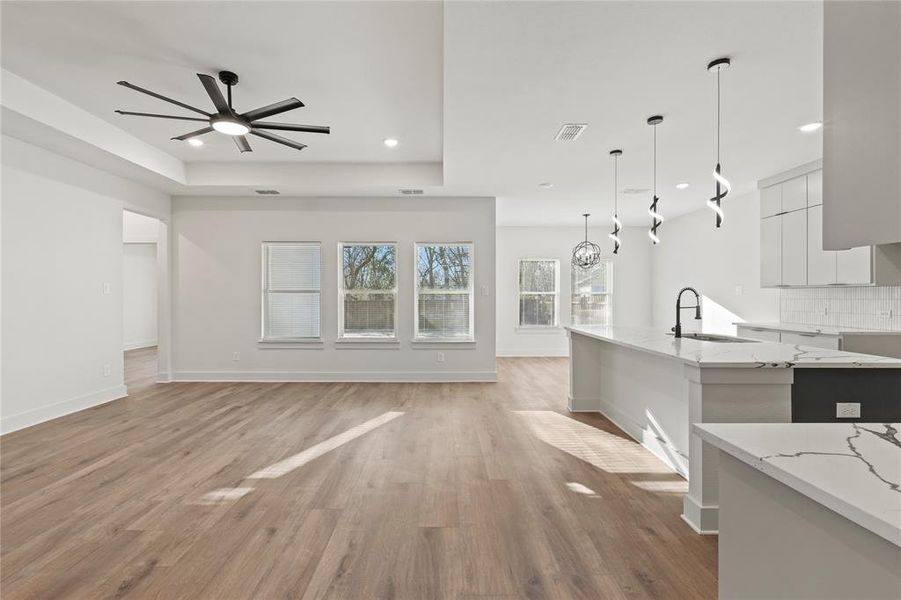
268,192
410,192
570,131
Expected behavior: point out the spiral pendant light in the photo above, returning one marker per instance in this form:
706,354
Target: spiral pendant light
653,211
586,254
617,224
721,184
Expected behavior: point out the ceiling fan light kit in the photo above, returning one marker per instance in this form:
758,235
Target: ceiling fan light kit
226,120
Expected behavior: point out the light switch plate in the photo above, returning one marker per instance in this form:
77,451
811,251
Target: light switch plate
847,410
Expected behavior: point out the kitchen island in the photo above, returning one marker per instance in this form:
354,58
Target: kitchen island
814,506
655,386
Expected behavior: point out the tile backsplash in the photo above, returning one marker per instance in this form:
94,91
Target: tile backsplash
852,307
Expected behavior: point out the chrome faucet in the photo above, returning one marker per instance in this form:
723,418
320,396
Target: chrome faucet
677,330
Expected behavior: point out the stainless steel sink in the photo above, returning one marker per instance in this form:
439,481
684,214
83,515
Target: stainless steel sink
709,337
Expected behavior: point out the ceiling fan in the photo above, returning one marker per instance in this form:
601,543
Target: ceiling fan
226,120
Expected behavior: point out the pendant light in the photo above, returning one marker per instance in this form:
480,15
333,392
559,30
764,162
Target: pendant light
722,185
586,254
656,217
617,224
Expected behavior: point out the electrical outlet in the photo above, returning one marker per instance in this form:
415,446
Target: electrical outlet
107,288
847,410
739,290
441,357
106,370
236,356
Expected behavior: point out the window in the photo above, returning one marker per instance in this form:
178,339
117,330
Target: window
290,290
538,286
592,294
444,291
368,290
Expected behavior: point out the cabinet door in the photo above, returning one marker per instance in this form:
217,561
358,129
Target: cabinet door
771,201
794,248
815,188
758,333
794,194
820,263
810,339
853,266
771,251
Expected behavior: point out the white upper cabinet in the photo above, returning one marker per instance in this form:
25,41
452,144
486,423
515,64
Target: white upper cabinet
792,251
815,191
853,266
794,194
861,121
770,201
771,252
821,264
794,247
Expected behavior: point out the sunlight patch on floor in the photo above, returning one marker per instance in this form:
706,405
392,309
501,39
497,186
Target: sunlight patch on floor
603,450
223,495
581,489
313,452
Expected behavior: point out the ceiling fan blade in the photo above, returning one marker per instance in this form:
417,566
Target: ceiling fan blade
272,109
243,144
140,114
278,139
212,88
161,97
292,127
193,134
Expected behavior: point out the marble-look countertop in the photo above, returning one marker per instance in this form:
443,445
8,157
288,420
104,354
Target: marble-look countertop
853,469
655,340
817,329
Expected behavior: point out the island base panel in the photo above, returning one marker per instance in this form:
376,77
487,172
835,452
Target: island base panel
775,543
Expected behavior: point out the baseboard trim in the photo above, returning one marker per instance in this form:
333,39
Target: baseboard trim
338,376
704,520
532,353
139,345
43,414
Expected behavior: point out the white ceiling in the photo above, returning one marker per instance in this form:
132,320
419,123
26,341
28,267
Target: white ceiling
480,86
370,70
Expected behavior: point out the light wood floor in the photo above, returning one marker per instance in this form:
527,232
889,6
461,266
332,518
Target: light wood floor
475,491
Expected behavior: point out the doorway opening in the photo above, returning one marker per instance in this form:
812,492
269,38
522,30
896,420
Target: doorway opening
140,298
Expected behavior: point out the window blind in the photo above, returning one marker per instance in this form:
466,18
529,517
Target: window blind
537,292
592,294
444,291
368,290
291,290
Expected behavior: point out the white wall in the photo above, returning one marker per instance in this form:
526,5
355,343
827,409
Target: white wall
716,262
631,283
61,242
139,229
216,286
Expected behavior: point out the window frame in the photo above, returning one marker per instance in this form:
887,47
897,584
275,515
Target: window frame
608,293
471,292
342,335
265,291
520,293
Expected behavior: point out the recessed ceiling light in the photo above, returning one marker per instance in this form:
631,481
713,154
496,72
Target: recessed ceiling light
808,127
391,142
681,186
546,184
196,142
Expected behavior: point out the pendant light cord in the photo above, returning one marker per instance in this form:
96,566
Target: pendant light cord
718,69
615,184
655,159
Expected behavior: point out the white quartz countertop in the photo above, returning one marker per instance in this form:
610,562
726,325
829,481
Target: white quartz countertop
851,468
817,329
655,340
